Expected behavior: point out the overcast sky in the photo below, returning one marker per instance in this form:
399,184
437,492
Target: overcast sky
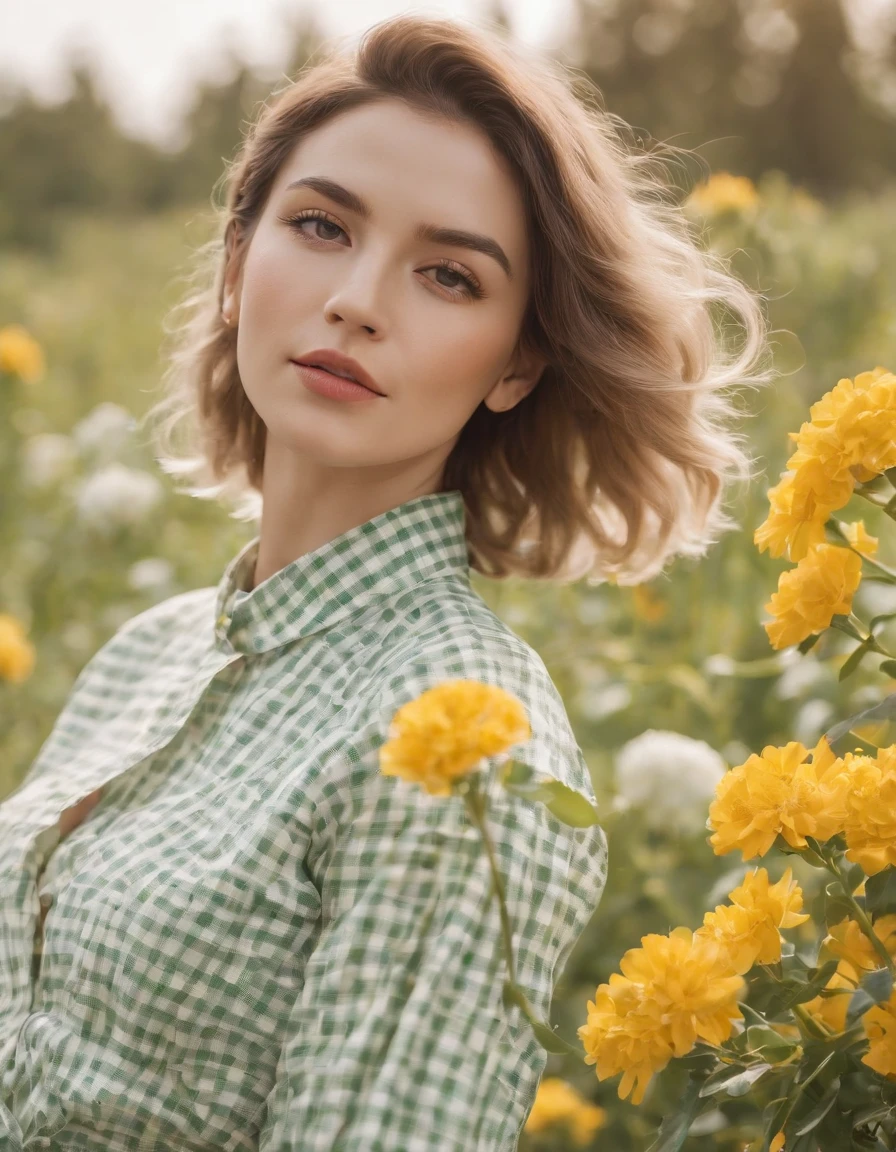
150,53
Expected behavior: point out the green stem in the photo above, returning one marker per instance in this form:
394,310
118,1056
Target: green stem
476,803
868,639
887,505
813,1027
859,914
874,563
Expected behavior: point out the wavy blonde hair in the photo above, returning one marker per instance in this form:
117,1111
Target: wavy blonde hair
619,457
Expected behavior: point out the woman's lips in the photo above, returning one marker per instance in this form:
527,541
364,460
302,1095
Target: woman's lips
328,384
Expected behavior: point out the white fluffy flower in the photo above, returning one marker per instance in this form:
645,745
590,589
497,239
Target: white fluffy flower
671,777
116,495
104,430
152,573
47,458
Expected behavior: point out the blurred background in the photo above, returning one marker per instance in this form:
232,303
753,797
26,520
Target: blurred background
115,124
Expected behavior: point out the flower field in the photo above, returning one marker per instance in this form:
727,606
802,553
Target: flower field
734,990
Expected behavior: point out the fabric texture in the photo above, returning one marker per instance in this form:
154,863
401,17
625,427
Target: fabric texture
254,939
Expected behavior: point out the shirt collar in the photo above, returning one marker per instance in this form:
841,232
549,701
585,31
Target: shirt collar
421,539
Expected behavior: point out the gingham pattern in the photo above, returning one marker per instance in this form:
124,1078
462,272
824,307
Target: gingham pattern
256,940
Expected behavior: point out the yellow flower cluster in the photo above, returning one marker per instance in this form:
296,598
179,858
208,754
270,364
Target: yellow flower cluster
679,988
776,793
558,1103
445,732
857,956
849,438
783,792
723,192
20,354
749,927
16,652
821,586
669,993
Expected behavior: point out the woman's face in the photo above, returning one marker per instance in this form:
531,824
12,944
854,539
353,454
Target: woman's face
435,323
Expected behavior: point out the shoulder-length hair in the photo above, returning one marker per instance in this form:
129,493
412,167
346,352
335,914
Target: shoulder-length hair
619,458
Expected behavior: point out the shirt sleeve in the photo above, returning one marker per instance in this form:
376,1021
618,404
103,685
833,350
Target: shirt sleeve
399,1041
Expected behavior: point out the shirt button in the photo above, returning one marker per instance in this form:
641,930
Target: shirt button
46,900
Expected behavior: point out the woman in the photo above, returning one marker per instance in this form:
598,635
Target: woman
221,926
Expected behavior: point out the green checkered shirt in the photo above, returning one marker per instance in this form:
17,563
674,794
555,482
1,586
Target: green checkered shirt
256,940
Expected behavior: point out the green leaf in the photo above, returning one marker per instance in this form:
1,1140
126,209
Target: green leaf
674,1128
571,807
854,877
546,1036
769,1045
751,1015
809,642
806,853
517,773
734,1080
551,1042
885,710
880,892
798,991
888,667
874,988
567,805
815,1115
836,905
854,660
877,619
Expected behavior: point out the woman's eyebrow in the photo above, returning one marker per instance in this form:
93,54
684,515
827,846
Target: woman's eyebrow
454,237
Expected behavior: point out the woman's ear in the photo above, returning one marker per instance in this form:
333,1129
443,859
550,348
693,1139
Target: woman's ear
233,270
519,378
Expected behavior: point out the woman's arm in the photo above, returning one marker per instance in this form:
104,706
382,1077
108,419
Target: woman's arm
399,1041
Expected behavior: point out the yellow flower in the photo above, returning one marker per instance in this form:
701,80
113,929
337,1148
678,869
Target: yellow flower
723,192
857,956
819,587
448,730
880,1028
858,537
672,991
777,1143
851,436
847,941
16,652
749,927
800,503
794,523
870,824
20,353
831,1010
558,1103
778,792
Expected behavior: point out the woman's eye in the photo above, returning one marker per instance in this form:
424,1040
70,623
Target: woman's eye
296,222
462,285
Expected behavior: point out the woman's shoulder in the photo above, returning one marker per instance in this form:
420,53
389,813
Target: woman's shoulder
147,632
468,641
